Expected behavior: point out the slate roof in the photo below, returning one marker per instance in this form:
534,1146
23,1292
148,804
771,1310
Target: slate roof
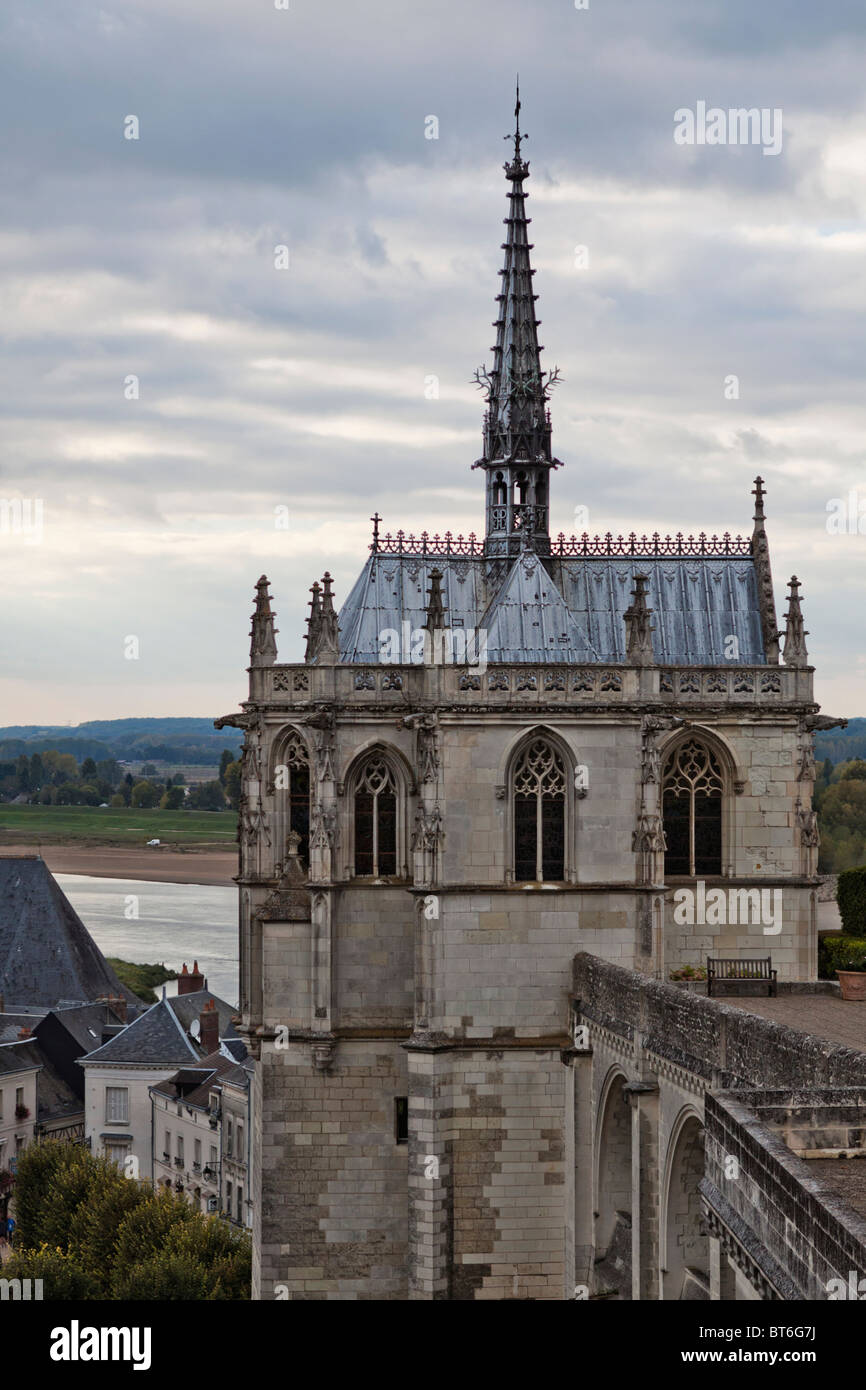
561,610
86,1023
12,1023
161,1037
156,1038
212,1070
46,952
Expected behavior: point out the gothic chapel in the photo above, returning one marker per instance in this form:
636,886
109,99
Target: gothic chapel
426,844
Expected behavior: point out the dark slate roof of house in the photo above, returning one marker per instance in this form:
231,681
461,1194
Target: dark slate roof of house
561,609
20,1056
156,1037
87,1023
12,1023
46,952
161,1036
188,1007
213,1069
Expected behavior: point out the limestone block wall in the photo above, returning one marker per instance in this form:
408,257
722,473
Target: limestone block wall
489,1218
331,1218
503,959
764,852
374,958
476,757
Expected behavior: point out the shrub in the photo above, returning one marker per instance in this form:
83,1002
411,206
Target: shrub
840,953
61,1275
851,897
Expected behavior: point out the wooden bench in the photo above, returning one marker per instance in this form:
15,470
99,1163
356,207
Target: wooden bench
730,971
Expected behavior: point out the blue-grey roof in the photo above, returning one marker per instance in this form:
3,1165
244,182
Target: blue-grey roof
156,1038
46,952
161,1036
564,610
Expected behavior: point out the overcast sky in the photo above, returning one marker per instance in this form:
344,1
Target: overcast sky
304,388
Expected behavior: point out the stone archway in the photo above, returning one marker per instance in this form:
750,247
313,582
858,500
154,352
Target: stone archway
686,1268
613,1215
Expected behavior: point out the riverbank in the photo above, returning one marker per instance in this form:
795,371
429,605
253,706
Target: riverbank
210,867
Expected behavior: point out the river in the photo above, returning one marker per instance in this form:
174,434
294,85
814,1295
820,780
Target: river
162,922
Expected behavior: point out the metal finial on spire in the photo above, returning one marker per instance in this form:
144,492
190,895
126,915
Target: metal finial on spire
517,137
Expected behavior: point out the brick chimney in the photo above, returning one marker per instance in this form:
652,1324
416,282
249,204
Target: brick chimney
189,981
209,1035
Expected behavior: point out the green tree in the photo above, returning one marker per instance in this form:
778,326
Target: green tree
88,770
22,772
172,799
62,1276
37,771
109,770
226,758
207,796
92,1233
853,771
144,794
93,1225
233,784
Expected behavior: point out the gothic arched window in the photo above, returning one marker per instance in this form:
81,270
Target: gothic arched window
376,820
296,760
692,789
538,789
500,492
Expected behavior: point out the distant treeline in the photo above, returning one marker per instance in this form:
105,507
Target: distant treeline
842,745
174,741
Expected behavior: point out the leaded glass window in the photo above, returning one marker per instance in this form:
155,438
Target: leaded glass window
692,801
539,814
376,820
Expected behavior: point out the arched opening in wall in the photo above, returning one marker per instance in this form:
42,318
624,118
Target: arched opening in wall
539,813
686,1272
613,1216
500,492
375,812
291,780
692,793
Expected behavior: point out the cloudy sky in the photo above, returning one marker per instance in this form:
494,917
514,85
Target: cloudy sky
262,389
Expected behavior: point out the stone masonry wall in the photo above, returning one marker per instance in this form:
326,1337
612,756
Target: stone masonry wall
332,1219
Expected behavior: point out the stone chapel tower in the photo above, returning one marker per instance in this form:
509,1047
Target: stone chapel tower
499,753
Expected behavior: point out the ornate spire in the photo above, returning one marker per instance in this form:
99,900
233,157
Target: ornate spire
517,437
795,653
263,643
638,628
761,555
434,620
327,645
314,622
